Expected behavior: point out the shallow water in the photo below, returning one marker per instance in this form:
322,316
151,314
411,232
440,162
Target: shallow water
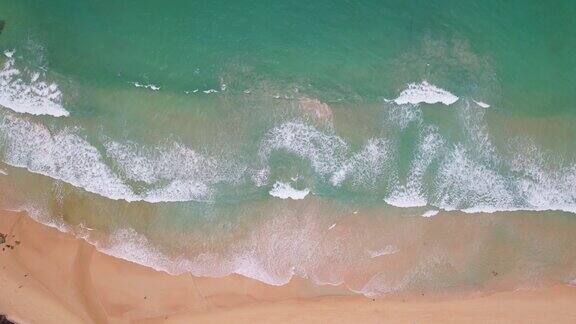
305,139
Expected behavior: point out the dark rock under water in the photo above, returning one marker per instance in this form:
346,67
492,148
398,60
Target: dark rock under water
2,24
4,320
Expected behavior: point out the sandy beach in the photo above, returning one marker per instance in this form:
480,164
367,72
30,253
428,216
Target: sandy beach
48,276
287,161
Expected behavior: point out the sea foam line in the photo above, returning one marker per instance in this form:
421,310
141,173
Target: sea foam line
430,213
481,104
150,86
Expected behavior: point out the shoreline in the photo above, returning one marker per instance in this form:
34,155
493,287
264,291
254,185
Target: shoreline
52,277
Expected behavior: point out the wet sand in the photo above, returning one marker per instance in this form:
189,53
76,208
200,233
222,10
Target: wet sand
51,277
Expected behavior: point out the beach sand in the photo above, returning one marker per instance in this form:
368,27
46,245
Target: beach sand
47,276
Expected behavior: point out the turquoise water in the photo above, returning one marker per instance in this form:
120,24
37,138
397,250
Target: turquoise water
240,137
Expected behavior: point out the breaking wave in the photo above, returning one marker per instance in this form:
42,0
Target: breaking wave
284,191
425,92
442,170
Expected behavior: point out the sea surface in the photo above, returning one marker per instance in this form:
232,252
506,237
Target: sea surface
389,146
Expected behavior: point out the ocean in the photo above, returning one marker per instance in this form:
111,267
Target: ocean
388,146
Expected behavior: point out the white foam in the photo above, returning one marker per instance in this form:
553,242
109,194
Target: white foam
402,116
323,150
63,155
284,191
405,199
250,265
124,243
160,163
179,190
260,177
327,153
412,194
539,183
127,244
387,250
241,258
425,92
481,104
173,172
430,213
2,172
469,177
464,183
545,182
478,136
365,166
9,53
150,86
42,217
209,91
27,92
382,283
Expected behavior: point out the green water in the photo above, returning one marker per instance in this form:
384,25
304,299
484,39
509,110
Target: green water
251,95
518,54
